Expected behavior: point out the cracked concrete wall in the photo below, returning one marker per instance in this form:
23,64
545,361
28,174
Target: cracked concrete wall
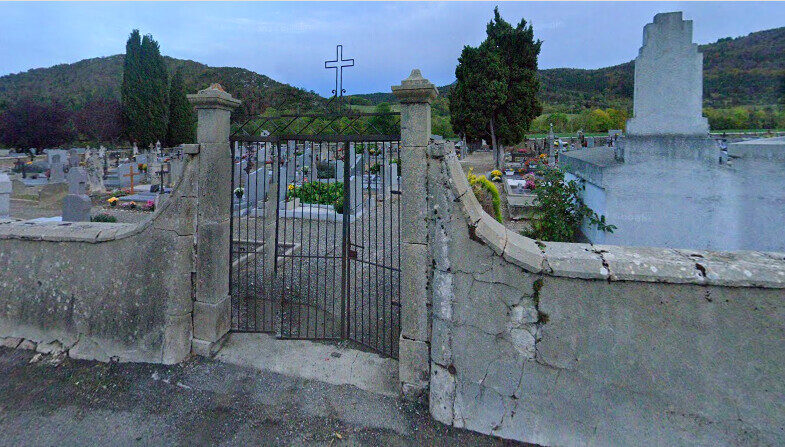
578,344
101,290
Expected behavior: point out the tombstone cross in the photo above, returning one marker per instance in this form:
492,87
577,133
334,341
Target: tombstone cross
338,64
131,174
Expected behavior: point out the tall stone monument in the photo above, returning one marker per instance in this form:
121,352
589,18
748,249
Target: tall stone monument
668,96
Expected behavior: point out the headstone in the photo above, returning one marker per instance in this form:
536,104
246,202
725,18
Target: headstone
51,153
73,158
668,94
6,188
124,176
256,186
339,170
135,150
76,205
95,173
56,170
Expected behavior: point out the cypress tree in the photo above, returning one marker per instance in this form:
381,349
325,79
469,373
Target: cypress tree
495,95
155,93
130,91
182,125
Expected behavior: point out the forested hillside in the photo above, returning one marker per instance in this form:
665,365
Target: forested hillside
91,80
747,70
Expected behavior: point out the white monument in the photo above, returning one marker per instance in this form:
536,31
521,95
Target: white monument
668,96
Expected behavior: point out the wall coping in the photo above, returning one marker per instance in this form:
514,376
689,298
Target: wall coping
611,262
91,232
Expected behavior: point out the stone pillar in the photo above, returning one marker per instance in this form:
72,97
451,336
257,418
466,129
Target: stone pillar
212,304
415,94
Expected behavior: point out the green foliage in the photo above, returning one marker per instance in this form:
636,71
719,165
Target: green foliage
486,191
182,122
768,117
596,120
131,97
560,210
103,217
495,93
382,124
31,124
319,193
155,94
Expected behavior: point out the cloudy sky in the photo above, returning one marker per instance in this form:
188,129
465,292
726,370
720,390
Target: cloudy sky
290,41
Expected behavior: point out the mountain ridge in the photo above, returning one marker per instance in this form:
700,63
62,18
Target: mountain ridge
747,70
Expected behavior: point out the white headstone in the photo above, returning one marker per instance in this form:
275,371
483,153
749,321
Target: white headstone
668,96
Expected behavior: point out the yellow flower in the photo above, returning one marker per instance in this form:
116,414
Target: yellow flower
112,200
496,173
291,187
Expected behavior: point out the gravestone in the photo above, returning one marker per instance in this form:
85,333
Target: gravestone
123,175
256,186
668,94
6,188
62,156
73,158
95,174
56,170
76,205
135,150
338,170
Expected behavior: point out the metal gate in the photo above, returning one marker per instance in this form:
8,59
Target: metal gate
326,189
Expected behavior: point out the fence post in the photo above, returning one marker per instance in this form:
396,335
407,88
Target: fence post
212,303
415,95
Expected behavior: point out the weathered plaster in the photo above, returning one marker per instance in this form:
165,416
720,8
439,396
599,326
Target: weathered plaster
580,344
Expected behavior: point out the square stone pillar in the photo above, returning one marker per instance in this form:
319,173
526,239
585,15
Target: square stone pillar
212,303
415,94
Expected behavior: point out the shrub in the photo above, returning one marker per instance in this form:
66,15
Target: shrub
487,194
325,169
560,210
375,168
103,217
318,192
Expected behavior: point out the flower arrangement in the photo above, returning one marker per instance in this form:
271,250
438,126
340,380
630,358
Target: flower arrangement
496,175
238,192
149,206
113,201
290,187
128,205
142,167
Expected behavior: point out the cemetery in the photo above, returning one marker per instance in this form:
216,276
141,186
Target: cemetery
667,330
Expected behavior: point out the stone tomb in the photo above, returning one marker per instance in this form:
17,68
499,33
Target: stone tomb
666,183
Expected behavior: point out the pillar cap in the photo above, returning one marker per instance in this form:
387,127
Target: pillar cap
213,97
415,89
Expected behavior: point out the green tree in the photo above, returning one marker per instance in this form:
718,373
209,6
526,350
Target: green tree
495,95
382,124
155,93
132,104
182,125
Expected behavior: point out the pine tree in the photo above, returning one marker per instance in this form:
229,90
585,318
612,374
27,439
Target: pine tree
155,93
495,95
130,92
182,125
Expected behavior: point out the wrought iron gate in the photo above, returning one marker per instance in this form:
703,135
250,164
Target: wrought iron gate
326,189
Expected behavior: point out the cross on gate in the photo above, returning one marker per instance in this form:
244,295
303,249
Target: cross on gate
131,174
338,65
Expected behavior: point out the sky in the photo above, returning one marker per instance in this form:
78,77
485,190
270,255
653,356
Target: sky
290,41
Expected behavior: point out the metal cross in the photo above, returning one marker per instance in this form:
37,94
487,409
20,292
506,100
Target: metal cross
338,65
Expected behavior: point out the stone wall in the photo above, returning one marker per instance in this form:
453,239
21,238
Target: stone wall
578,344
103,290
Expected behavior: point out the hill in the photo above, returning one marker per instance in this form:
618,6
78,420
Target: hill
100,78
748,70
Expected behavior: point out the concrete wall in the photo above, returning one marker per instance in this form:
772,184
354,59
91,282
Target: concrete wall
102,290
578,344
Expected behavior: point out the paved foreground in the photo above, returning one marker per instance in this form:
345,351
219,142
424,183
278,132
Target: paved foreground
200,402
